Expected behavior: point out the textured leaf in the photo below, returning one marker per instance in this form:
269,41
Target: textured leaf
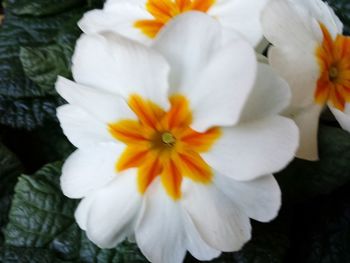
306,179
27,96
42,218
10,169
26,255
42,65
40,7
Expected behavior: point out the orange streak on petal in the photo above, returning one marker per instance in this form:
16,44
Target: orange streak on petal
148,171
337,99
147,112
179,114
183,4
149,27
127,131
327,39
200,142
132,157
162,10
194,167
171,179
202,5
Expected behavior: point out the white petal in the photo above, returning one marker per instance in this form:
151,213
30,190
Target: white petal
271,95
82,212
118,17
81,128
307,121
260,199
114,63
300,70
227,77
159,233
220,223
254,149
89,168
178,43
342,117
324,14
287,24
103,105
243,16
222,88
114,211
195,244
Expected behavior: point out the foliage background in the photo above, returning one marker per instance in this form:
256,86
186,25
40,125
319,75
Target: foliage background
37,39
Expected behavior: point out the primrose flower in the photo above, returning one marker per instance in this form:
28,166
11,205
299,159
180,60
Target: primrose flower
176,145
141,20
311,53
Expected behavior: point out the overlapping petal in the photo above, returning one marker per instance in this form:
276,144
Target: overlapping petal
160,233
109,223
260,199
224,227
241,16
123,17
229,65
81,128
269,97
89,169
254,149
121,66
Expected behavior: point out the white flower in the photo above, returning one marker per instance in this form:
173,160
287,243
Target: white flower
142,19
175,147
311,53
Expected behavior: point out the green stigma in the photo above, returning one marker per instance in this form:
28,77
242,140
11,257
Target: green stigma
168,138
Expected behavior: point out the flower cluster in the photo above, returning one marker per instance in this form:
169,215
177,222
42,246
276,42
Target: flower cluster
179,128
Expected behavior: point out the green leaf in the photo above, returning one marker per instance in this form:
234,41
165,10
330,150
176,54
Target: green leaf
43,64
26,255
42,218
33,50
342,9
10,169
40,7
303,179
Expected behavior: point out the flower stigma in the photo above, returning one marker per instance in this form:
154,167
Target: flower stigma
162,143
168,139
333,58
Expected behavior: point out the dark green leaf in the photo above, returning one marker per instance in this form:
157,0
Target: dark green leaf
40,7
10,169
26,255
306,179
42,65
42,218
27,96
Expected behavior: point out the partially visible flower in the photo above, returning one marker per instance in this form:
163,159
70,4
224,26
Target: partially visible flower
311,53
175,144
142,19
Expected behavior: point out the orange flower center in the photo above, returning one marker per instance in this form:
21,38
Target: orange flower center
162,144
334,61
164,10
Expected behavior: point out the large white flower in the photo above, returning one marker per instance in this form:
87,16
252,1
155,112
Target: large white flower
311,53
175,146
142,19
